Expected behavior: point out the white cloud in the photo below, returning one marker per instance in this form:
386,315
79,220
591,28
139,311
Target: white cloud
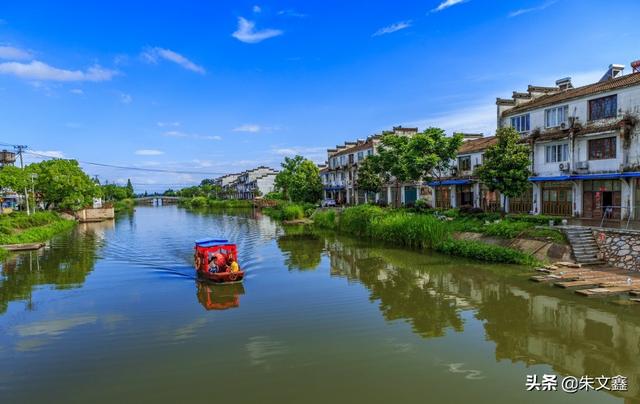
447,4
152,55
12,53
247,33
479,118
392,28
56,154
125,98
175,133
37,70
257,9
316,154
166,124
76,91
149,152
529,10
249,127
291,13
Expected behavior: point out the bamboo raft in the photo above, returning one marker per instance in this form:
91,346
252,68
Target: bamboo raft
23,247
590,282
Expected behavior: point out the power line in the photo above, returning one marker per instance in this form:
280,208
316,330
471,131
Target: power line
155,170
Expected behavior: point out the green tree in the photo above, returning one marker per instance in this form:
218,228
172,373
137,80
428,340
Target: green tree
130,192
299,180
506,166
14,178
369,180
420,157
62,184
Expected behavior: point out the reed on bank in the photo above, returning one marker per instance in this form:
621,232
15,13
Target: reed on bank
414,230
19,228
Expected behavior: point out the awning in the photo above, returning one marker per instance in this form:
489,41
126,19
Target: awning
602,176
334,188
449,182
545,179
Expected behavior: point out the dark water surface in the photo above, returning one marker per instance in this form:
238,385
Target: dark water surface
113,312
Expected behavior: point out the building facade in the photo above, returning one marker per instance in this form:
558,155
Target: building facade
340,176
248,184
585,154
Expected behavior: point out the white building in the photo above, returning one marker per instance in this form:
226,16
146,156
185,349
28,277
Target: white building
340,176
252,183
585,146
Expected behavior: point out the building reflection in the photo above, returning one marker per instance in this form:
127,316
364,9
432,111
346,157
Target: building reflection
219,297
529,323
64,265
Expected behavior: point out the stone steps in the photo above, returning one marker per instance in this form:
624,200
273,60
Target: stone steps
584,246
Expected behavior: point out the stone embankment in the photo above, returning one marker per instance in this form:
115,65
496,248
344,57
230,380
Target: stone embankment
619,248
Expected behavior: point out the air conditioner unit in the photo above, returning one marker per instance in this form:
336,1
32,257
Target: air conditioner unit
582,165
564,166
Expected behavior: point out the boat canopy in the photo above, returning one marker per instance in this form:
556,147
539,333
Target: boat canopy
211,242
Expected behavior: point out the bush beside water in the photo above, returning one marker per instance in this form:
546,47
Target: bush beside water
420,231
199,202
18,227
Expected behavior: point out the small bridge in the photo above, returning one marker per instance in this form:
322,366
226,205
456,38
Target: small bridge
158,200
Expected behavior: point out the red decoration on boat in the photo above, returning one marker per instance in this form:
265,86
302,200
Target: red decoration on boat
216,260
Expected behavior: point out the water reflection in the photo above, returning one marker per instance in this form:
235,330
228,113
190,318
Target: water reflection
65,265
303,248
219,297
529,323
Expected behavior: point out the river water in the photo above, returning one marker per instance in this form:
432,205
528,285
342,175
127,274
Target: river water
112,312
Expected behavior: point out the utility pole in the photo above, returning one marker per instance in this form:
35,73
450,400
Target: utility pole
20,149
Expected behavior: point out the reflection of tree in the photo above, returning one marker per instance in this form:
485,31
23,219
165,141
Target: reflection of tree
64,266
303,248
404,292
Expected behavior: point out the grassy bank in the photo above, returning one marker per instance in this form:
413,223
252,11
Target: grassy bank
204,202
290,211
416,230
123,205
18,228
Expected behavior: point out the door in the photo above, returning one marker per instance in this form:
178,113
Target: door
410,195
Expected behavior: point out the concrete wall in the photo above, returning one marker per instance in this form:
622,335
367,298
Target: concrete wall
95,215
620,248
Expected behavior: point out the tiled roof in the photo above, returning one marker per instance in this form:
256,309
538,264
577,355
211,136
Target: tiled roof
476,145
590,89
353,149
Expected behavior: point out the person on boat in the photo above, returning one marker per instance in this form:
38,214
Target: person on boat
233,265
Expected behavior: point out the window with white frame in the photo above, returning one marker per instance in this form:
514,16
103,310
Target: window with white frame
557,153
369,152
554,117
521,123
360,155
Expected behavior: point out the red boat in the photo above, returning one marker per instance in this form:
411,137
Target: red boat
208,253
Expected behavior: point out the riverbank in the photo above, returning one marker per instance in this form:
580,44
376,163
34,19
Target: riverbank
204,202
291,213
18,228
423,231
123,205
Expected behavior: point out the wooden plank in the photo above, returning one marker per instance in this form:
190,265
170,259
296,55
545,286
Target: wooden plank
575,284
604,291
23,247
635,292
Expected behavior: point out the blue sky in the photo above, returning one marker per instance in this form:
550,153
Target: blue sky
224,86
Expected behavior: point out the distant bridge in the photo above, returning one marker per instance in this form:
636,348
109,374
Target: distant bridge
158,200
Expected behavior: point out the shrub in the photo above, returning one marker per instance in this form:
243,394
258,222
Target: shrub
409,229
274,196
421,206
485,252
292,212
325,219
506,229
357,220
537,219
198,202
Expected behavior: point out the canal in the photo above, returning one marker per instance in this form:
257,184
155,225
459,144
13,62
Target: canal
112,311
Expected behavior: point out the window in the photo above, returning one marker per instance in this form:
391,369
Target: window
342,176
360,155
601,149
554,117
351,159
602,108
464,163
342,160
557,153
369,152
520,123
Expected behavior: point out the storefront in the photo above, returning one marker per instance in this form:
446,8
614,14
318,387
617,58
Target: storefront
464,195
522,203
602,198
557,198
443,197
489,200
